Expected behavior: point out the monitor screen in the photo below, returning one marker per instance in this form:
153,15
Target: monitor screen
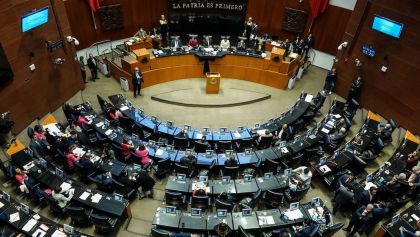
58,172
195,212
221,213
248,151
6,196
187,127
287,172
34,19
181,177
387,26
247,178
169,148
268,175
154,119
229,153
209,152
203,178
316,201
395,218
68,229
226,179
24,208
246,212
294,206
223,130
151,143
169,124
118,197
369,51
170,209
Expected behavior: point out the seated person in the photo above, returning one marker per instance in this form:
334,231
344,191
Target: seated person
39,133
204,142
81,120
284,133
414,180
358,141
266,134
231,162
384,131
129,183
336,137
305,230
225,44
70,157
344,192
87,164
141,34
412,160
21,179
223,229
182,134
341,124
39,147
156,41
367,196
72,140
241,45
189,161
176,43
115,114
145,184
301,177
62,197
225,197
105,178
143,153
73,127
391,187
193,43
199,192
126,147
207,42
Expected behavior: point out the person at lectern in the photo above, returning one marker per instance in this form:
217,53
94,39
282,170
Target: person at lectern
193,43
141,34
93,67
207,42
248,27
137,79
225,44
176,43
241,45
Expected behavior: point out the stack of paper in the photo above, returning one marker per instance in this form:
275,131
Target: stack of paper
199,135
14,217
65,186
261,132
1,205
284,150
123,108
84,195
159,152
236,134
294,214
59,233
108,132
78,151
29,225
266,220
325,168
308,97
96,198
324,130
99,124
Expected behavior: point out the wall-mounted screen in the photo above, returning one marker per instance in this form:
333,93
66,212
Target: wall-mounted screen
34,19
387,26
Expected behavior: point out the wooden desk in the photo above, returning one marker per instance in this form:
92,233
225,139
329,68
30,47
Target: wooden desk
242,67
411,137
140,44
373,116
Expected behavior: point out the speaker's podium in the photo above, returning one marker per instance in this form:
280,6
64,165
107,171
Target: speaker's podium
213,82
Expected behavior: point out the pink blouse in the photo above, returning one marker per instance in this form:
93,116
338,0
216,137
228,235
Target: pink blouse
144,156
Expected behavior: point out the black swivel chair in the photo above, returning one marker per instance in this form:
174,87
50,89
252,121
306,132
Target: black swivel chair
163,168
202,202
176,199
245,144
273,199
103,224
242,232
265,142
200,147
181,143
79,215
252,201
182,169
118,151
230,171
294,196
54,207
127,192
101,186
295,161
159,233
30,132
270,166
210,171
222,146
223,205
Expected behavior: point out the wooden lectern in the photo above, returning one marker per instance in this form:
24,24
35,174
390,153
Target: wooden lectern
213,82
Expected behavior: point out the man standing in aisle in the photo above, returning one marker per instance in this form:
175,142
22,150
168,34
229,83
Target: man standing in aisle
93,66
137,79
330,80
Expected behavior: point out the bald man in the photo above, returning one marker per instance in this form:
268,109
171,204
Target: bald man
137,79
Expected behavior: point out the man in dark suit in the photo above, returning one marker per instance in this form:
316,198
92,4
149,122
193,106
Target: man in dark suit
207,42
330,80
308,45
231,162
359,219
92,64
176,43
368,196
284,134
146,184
354,92
137,79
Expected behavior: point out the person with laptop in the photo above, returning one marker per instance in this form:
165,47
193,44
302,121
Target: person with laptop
199,191
231,162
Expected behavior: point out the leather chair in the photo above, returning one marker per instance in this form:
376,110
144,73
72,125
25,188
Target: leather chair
294,196
159,233
127,192
54,207
176,199
104,224
223,205
79,215
202,202
230,171
222,146
243,233
273,199
103,104
163,168
333,229
30,132
253,201
209,172
265,142
182,169
243,144
101,186
295,161
81,173
181,143
270,166
118,151
200,147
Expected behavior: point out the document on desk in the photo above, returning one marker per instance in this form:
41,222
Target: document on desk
1,205
99,124
108,132
14,217
236,134
266,220
29,225
159,152
415,217
325,168
324,130
59,233
38,233
44,227
79,151
123,108
199,135
65,186
96,198
308,98
294,215
337,116
284,150
312,136
84,195
261,132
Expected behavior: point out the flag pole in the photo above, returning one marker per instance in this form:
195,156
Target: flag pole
93,19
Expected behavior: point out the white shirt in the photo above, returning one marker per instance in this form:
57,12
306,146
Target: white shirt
306,178
225,44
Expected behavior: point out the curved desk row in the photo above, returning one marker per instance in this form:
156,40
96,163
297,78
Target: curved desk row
262,70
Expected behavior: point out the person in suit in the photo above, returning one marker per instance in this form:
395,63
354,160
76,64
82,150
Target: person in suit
306,230
343,194
39,147
176,43
384,131
241,45
330,80
391,188
248,27
137,80
309,41
141,34
163,23
254,31
82,68
93,67
231,162
193,43
87,164
59,195
145,183
207,42
225,44
188,161
284,133
354,92
368,196
336,137
359,219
